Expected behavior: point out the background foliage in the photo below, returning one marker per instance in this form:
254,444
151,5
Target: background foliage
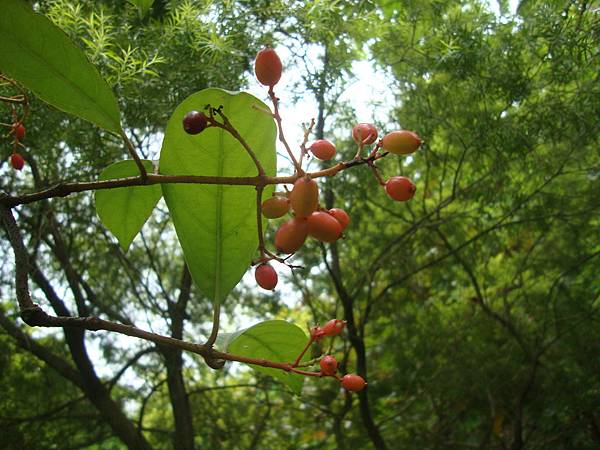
473,309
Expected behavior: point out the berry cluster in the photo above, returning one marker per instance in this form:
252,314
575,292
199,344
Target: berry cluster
307,216
16,159
17,129
328,364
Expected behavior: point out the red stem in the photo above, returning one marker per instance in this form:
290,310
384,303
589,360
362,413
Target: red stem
308,344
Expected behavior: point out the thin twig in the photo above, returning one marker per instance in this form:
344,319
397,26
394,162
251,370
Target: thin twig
277,116
227,126
134,155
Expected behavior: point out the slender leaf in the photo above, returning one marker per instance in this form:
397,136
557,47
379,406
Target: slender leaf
39,55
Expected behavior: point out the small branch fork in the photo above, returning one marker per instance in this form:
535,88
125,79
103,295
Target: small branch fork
297,166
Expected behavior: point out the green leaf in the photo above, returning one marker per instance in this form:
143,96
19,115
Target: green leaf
143,5
275,340
125,210
39,55
216,224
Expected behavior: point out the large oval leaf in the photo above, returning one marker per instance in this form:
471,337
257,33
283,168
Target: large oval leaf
216,224
125,210
275,340
41,56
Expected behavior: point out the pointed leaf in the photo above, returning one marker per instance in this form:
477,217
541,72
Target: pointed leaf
125,210
275,340
216,224
41,56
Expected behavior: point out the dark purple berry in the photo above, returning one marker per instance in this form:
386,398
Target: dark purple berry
195,122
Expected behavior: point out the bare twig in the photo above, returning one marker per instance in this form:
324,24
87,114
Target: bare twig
134,155
277,117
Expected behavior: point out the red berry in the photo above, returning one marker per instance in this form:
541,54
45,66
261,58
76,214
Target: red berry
341,216
304,197
266,277
195,122
19,130
324,227
17,161
401,142
353,383
333,327
268,67
276,206
365,133
328,365
316,333
291,235
400,188
322,149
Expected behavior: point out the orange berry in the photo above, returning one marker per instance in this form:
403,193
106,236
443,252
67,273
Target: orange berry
291,235
328,365
401,142
304,197
324,227
400,188
365,133
333,327
276,206
341,216
17,161
268,67
353,383
266,277
322,149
